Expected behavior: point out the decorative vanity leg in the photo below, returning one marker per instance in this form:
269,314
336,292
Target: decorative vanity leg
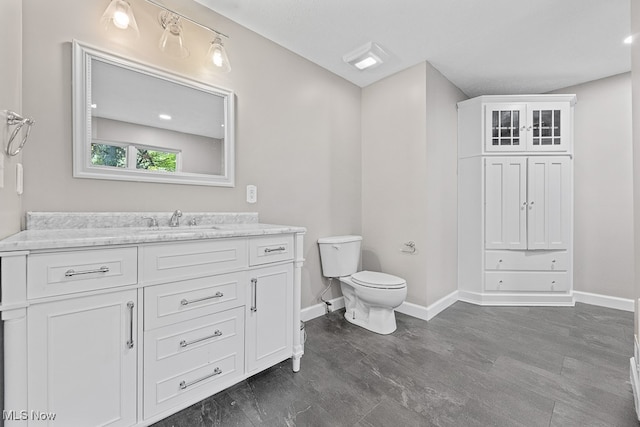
298,345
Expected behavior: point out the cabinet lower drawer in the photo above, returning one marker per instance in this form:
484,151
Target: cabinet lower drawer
526,260
191,360
516,281
186,260
188,299
263,250
67,272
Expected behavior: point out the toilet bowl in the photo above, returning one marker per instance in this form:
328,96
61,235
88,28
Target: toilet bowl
370,297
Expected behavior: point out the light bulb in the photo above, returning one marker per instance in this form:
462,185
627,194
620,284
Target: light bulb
120,15
217,58
121,19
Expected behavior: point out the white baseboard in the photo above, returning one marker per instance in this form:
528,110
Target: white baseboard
604,300
428,313
516,299
410,309
320,309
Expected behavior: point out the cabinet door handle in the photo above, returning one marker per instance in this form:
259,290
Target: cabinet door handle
191,301
217,333
278,249
254,299
130,306
72,272
184,384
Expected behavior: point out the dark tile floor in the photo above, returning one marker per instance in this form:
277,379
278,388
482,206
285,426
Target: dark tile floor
469,366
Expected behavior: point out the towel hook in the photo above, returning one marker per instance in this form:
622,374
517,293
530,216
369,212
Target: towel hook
15,119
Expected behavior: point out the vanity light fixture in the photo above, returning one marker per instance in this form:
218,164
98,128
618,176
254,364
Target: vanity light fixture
172,40
218,55
119,14
628,40
368,56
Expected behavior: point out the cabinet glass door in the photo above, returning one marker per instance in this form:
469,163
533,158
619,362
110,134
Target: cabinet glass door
547,127
505,127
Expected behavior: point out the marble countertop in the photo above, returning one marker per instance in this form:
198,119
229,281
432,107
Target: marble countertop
81,232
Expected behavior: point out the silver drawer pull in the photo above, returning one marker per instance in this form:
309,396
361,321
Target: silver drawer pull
278,249
187,301
184,384
217,333
130,306
72,272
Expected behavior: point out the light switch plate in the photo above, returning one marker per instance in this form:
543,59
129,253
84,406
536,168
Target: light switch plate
19,179
2,160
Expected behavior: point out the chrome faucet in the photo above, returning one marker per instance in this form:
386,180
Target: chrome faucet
175,219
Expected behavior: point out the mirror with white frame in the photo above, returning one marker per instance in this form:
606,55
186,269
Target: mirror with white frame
133,122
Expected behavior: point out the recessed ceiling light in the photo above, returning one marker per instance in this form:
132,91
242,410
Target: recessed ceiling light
628,40
164,116
368,56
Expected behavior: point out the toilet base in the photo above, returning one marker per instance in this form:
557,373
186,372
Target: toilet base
367,311
383,321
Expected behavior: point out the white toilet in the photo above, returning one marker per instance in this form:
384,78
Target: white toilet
369,297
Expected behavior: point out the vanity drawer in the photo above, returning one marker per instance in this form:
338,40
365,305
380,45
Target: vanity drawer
187,260
191,360
59,273
264,250
176,302
518,281
526,260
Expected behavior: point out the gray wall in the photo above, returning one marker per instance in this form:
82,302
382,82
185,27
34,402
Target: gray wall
10,99
603,197
635,74
298,127
409,162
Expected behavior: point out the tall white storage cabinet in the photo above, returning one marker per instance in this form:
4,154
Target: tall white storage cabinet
515,200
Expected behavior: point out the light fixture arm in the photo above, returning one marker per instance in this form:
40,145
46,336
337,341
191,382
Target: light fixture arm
213,30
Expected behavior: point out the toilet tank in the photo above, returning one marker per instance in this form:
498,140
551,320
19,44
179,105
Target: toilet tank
339,255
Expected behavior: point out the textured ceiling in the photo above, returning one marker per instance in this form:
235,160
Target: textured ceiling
482,46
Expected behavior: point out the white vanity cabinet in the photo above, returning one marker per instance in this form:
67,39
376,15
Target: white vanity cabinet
127,335
271,278
515,199
83,359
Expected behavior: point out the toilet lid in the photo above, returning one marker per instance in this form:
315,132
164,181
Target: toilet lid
374,279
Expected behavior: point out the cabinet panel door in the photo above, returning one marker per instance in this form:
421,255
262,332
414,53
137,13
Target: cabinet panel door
505,127
505,198
269,336
548,127
549,202
80,363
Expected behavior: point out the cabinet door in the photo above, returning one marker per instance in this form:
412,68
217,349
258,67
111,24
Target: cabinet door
269,334
549,203
82,360
505,127
548,127
505,203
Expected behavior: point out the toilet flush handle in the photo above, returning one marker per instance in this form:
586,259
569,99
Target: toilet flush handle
336,247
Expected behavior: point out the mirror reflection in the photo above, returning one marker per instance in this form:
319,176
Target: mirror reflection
144,124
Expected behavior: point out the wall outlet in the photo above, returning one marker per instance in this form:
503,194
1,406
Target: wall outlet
252,194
